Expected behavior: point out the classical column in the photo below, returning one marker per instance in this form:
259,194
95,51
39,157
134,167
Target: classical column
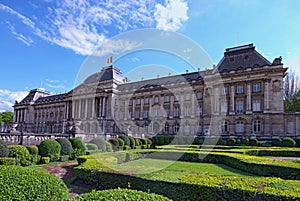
79,108
86,109
100,106
133,107
266,95
248,99
126,109
216,99
104,107
67,110
172,106
93,108
73,108
142,109
232,92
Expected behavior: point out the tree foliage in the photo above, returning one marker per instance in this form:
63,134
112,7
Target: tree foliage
291,92
6,117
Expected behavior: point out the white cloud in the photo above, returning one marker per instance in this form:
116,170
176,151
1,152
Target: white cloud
27,40
82,25
171,16
8,98
56,84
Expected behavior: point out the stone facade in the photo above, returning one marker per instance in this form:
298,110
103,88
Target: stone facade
242,95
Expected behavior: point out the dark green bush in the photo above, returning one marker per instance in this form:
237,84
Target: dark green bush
231,142
143,141
276,141
132,142
266,144
121,142
244,141
4,152
35,159
21,154
253,142
19,183
220,141
288,142
33,149
49,147
79,145
108,147
7,161
114,141
120,195
297,140
91,146
126,139
149,141
66,146
100,142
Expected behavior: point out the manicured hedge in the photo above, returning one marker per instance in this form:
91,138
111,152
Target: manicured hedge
132,142
288,142
253,142
100,142
19,183
78,145
121,142
4,152
66,146
91,146
49,148
33,149
120,195
108,147
21,154
231,142
7,161
126,139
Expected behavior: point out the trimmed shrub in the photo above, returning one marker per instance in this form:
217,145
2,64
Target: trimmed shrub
126,147
253,142
4,152
126,139
266,144
132,142
19,183
143,141
7,161
66,146
121,142
120,195
35,159
231,142
45,160
244,141
78,145
91,146
21,154
49,147
220,141
276,141
100,142
108,147
297,140
288,142
33,149
114,142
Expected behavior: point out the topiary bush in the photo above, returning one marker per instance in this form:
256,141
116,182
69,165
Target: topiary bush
244,141
21,154
120,195
66,146
91,146
79,147
126,139
132,142
108,147
4,152
114,142
288,142
7,161
231,142
100,142
143,141
19,183
33,149
49,148
121,142
253,142
276,141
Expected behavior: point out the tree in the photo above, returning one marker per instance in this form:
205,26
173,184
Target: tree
6,117
291,92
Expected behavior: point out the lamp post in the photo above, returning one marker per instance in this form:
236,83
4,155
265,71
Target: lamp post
103,120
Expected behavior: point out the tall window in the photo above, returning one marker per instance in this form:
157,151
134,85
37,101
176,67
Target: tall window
256,104
257,126
177,97
199,110
176,128
130,113
240,89
188,96
239,106
156,99
224,126
137,113
167,98
130,102
138,101
146,100
166,128
176,111
167,111
199,95
224,106
225,90
256,87
187,110
239,126
146,113
199,128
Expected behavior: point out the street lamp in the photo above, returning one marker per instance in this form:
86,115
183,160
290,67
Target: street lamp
103,120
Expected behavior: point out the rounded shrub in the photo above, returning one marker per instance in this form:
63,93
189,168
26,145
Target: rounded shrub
276,141
253,142
126,139
288,142
144,141
19,183
231,142
21,154
121,142
49,148
33,149
66,146
108,147
91,146
78,146
100,142
120,195
244,141
4,152
114,142
132,142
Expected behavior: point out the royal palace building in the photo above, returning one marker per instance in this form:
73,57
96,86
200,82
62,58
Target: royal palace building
241,96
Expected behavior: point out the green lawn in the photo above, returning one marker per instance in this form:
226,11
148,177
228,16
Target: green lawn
156,169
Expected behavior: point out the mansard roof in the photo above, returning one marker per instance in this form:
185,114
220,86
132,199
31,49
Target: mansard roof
241,57
33,95
52,98
107,73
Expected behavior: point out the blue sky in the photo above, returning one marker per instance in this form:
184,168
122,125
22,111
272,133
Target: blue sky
44,43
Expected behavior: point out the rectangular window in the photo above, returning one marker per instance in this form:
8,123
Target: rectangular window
156,99
256,87
146,100
137,113
256,104
240,89
177,97
176,111
138,101
130,113
239,127
187,110
199,95
225,90
199,128
257,126
167,98
199,110
239,106
146,113
167,109
224,106
188,96
130,102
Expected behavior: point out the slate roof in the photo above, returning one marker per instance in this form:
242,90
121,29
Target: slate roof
52,98
241,57
33,95
107,73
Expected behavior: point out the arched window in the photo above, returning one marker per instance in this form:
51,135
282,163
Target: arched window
167,128
224,126
239,126
176,128
257,126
